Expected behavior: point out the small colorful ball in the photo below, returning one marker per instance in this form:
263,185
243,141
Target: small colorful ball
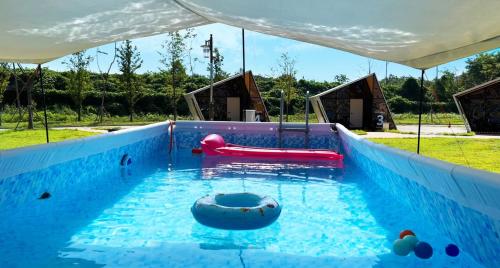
401,247
423,250
405,233
411,240
452,250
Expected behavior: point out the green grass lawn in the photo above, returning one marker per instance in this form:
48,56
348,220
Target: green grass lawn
476,153
359,132
12,139
69,120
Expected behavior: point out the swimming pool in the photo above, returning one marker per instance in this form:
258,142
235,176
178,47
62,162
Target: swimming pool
140,216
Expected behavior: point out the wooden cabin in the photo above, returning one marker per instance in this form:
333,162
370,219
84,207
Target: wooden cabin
359,104
480,107
232,96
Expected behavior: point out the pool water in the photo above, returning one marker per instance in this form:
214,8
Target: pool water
140,217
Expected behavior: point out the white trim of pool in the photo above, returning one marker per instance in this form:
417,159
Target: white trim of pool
36,157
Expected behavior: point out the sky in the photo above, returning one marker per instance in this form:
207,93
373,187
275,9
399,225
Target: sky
262,53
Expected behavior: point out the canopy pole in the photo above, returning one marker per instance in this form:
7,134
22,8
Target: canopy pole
420,110
243,45
386,63
173,88
211,104
44,103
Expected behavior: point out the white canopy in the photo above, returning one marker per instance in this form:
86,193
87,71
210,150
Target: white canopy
419,34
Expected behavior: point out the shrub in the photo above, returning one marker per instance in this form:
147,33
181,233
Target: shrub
399,104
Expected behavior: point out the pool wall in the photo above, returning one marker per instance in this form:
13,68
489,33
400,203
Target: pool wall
188,134
26,173
463,203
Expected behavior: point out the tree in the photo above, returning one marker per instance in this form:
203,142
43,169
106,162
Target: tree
190,36
4,82
484,67
105,78
176,86
286,80
79,79
219,74
129,60
314,87
340,79
175,49
445,87
392,86
411,89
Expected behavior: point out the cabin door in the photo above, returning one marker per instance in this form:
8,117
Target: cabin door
356,113
233,109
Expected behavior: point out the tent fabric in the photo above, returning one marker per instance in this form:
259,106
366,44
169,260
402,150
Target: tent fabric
420,34
34,31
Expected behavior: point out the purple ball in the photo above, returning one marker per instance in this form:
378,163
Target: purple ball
452,250
423,250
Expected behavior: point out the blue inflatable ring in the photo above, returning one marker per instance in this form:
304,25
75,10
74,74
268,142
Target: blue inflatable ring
236,211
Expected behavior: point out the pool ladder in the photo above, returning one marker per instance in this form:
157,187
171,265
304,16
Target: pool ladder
283,128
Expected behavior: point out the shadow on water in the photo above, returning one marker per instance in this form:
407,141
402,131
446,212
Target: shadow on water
34,233
204,255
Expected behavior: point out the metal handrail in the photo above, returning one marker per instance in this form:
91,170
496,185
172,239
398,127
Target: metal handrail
307,120
281,128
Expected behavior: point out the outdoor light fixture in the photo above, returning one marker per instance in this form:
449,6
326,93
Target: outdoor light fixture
208,53
206,49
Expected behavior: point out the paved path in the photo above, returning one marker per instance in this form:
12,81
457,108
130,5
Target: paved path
390,135
434,129
89,129
429,131
99,129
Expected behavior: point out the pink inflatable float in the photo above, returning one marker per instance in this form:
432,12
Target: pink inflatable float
214,144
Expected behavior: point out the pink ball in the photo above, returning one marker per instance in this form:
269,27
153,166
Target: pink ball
211,142
214,141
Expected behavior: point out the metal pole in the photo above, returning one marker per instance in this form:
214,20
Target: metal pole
44,103
243,44
281,108
420,110
307,110
211,105
281,118
173,88
307,120
386,72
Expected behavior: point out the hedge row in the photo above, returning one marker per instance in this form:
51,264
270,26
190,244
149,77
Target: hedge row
115,103
161,103
402,105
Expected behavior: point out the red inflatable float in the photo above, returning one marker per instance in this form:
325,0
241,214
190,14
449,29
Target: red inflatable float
214,144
